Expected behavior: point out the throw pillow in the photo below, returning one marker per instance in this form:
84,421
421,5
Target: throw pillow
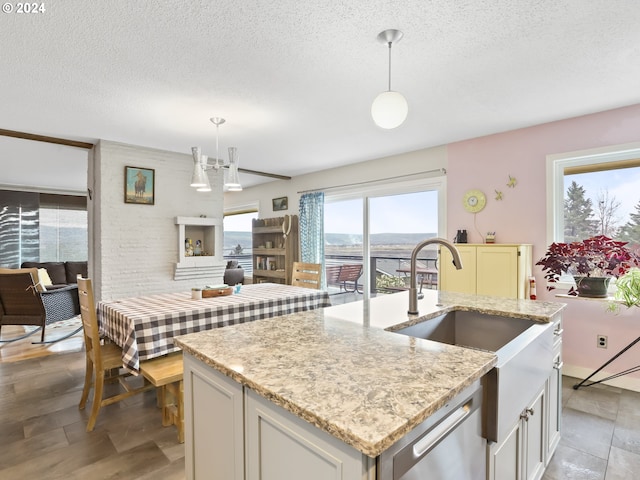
43,278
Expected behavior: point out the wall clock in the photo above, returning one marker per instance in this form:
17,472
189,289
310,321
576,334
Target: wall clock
474,201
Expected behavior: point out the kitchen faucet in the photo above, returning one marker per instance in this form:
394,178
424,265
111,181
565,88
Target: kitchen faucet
413,290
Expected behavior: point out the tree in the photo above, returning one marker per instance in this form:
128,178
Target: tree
578,215
606,214
630,231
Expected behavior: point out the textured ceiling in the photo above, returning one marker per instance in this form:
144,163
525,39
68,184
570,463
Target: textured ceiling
295,79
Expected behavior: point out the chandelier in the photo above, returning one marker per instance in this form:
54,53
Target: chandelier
200,179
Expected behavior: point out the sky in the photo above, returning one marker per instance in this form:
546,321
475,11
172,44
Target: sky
406,213
623,184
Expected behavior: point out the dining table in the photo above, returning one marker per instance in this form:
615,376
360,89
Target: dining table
144,327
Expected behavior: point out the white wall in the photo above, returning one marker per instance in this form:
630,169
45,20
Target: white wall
134,247
411,163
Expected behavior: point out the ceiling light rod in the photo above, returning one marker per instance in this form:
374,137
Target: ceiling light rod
388,37
217,121
389,109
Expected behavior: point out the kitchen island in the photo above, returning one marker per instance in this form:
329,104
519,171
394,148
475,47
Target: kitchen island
349,389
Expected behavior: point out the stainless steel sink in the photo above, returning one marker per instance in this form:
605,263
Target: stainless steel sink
525,359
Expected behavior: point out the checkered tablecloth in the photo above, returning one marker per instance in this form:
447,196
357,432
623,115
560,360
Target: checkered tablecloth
145,326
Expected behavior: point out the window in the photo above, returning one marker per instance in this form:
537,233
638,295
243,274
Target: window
63,235
596,194
63,228
237,244
39,227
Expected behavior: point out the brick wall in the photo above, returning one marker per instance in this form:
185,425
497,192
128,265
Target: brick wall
134,248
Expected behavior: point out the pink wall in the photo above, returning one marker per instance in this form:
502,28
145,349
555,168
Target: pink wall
485,163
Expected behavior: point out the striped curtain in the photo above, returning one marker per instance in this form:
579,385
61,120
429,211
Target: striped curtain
312,229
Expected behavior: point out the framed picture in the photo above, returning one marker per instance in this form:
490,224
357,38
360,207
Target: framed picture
139,185
281,203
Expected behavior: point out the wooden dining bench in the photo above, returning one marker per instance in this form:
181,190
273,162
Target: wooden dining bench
166,373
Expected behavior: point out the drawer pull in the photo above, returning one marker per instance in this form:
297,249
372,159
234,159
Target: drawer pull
558,365
558,332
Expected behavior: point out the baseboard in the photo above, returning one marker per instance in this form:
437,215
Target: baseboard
626,382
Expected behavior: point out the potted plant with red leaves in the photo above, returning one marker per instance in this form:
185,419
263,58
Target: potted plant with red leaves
592,262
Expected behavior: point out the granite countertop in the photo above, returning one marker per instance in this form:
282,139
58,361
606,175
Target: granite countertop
389,311
352,379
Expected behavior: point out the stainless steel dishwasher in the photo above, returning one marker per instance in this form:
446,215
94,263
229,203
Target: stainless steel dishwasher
447,445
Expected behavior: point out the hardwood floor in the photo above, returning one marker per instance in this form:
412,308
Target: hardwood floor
43,431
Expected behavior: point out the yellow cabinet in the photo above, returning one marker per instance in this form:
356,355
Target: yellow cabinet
500,270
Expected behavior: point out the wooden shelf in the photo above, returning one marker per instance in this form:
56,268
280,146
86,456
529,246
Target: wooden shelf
268,231
269,273
269,252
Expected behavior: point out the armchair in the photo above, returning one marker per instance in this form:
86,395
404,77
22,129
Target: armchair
22,303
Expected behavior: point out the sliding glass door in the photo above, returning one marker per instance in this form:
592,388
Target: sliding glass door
377,230
397,223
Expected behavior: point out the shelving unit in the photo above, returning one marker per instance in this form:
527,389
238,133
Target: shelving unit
273,253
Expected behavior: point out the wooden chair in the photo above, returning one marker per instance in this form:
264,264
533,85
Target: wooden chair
101,358
308,275
165,373
20,301
350,273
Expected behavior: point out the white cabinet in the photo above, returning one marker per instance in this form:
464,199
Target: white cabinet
281,446
234,434
500,270
534,448
521,454
527,448
554,394
214,422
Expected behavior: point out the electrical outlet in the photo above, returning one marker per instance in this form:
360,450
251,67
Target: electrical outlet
602,341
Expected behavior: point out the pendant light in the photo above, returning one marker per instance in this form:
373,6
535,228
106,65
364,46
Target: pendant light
199,178
389,109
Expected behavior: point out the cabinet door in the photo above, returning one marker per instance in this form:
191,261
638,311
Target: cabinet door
497,271
453,280
534,445
554,409
281,446
214,436
504,459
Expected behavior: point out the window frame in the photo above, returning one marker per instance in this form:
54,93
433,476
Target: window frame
556,164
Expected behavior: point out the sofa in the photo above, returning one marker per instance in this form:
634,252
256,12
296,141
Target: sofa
62,274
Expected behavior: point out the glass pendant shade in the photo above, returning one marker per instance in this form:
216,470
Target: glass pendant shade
233,179
389,109
199,177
